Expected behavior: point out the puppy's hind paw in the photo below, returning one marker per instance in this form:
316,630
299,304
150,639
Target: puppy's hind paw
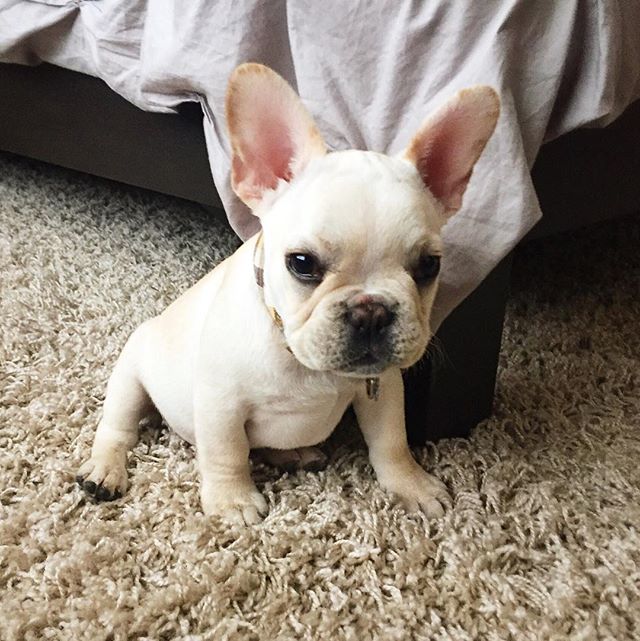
103,479
310,459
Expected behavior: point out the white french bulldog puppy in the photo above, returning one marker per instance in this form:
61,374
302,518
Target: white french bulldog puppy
320,310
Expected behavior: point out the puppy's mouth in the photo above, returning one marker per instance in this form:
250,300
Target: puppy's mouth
365,364
366,360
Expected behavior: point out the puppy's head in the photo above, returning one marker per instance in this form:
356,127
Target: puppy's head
351,239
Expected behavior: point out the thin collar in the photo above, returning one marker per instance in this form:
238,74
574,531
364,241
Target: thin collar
372,384
258,271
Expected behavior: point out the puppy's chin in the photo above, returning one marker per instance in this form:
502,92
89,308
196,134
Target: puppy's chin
369,366
363,374
342,365
363,367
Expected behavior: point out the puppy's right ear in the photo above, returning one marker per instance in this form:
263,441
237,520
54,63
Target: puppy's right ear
272,135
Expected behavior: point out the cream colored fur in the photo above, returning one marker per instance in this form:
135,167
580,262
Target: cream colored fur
214,364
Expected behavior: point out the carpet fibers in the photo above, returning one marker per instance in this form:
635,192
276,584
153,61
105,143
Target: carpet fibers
543,540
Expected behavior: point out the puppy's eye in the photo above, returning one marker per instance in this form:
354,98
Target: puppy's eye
305,267
426,269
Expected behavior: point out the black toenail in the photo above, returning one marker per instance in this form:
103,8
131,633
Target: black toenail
90,487
117,495
103,494
80,480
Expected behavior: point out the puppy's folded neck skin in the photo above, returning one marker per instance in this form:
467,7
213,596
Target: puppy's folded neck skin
372,383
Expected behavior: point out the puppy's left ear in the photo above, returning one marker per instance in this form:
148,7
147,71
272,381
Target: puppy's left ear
273,137
450,141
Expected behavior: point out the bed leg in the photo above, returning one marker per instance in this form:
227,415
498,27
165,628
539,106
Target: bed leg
448,395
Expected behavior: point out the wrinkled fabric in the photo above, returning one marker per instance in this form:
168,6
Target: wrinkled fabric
369,72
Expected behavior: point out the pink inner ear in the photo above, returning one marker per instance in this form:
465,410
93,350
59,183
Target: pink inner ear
272,135
273,150
439,162
268,152
450,142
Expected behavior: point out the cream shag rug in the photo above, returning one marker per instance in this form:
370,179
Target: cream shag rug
543,541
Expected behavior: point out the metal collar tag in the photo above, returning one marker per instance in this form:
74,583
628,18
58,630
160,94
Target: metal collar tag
373,388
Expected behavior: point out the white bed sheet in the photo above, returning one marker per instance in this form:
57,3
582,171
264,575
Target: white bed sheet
369,72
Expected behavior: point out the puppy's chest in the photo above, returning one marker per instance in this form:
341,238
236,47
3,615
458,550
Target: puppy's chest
296,413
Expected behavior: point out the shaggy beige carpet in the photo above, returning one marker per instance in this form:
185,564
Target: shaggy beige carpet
543,540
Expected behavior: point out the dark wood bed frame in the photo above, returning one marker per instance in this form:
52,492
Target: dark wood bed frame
76,121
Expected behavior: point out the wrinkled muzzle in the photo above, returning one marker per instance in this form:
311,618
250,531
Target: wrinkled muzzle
361,336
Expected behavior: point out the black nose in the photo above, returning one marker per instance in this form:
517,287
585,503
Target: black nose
369,319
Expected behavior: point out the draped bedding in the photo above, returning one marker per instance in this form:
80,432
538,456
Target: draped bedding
369,72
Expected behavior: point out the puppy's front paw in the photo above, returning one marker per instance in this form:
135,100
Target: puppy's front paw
418,490
104,477
242,505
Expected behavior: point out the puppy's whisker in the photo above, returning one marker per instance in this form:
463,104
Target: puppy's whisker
436,353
